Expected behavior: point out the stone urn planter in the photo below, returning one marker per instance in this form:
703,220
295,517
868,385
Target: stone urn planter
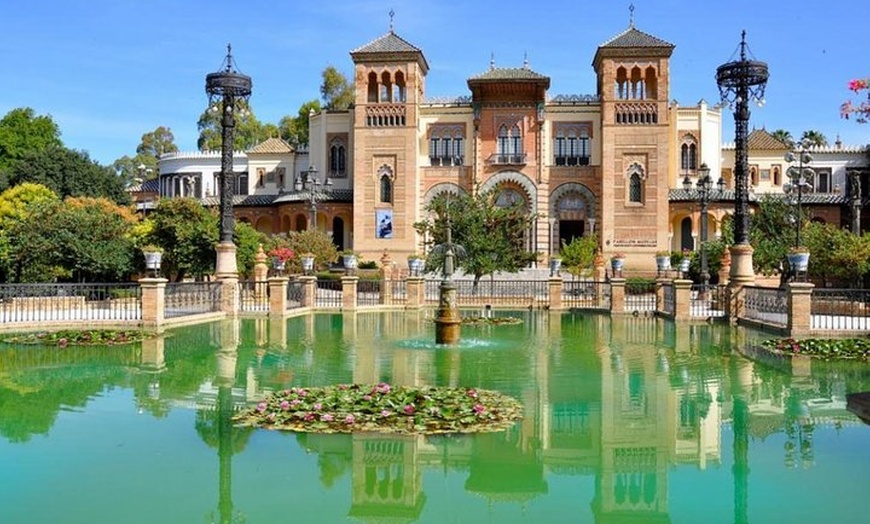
555,266
307,263
349,261
617,263
416,265
798,260
663,261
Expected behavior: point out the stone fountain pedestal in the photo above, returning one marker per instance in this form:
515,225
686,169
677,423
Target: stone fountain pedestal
447,321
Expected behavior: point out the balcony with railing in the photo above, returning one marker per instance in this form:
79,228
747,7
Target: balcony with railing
446,161
574,160
500,159
385,115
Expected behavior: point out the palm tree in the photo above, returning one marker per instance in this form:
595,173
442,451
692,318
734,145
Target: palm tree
814,138
784,136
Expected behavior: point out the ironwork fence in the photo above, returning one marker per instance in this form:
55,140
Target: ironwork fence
191,298
254,296
328,293
294,294
368,292
669,298
518,293
398,291
585,294
60,302
765,305
640,296
840,309
708,302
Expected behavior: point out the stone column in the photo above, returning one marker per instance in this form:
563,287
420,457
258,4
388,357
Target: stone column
725,270
415,287
387,275
660,293
348,292
277,296
599,273
799,308
555,288
261,270
230,295
682,299
153,301
617,296
309,288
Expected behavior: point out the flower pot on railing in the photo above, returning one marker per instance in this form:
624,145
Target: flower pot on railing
307,263
278,264
799,260
349,261
555,266
153,258
416,265
617,263
663,262
684,265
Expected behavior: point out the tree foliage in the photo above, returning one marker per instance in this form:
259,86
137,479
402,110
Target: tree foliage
812,138
784,136
23,132
294,129
68,173
188,233
836,254
157,142
491,235
248,130
315,242
578,255
861,110
337,92
247,240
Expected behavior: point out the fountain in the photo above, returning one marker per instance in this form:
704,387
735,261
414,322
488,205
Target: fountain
448,321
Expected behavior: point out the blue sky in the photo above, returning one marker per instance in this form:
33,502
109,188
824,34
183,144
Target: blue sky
108,71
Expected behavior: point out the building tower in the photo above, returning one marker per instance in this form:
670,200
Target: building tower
632,72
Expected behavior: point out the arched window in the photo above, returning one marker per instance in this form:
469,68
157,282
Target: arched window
399,93
373,87
689,154
503,142
635,183
386,87
385,182
337,158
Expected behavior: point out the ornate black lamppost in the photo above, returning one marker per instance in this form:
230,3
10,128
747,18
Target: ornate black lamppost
316,189
226,90
740,82
706,193
799,177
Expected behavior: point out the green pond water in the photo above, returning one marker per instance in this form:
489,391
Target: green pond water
626,420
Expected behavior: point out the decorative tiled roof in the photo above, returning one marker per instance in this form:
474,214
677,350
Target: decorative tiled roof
271,146
149,186
633,37
334,195
389,44
682,195
509,73
761,140
242,200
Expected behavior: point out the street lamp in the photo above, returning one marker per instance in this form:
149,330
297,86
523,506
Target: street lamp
739,82
799,182
706,193
308,181
227,88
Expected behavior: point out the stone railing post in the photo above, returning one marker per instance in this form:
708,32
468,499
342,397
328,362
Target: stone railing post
348,292
800,295
309,288
660,293
153,301
230,300
733,302
555,289
387,275
682,299
415,287
277,296
617,296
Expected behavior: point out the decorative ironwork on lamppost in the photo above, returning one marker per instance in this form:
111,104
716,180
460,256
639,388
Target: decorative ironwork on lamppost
705,193
741,81
317,189
800,177
228,91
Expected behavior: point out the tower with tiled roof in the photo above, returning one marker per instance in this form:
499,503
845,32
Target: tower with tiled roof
389,78
632,69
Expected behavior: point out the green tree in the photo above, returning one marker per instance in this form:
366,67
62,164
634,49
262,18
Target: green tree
813,138
579,254
784,136
336,91
766,228
22,132
491,235
157,142
247,240
836,254
188,233
315,242
294,130
16,205
248,131
80,239
68,173
136,169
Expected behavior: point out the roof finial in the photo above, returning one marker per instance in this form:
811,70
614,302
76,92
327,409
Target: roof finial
525,60
631,15
492,60
392,14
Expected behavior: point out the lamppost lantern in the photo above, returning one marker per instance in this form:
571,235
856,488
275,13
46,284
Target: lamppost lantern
316,189
227,88
740,82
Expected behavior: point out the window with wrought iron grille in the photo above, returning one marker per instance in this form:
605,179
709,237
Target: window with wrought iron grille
509,146
571,145
446,145
337,158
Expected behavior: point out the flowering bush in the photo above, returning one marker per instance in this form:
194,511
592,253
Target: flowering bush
383,408
862,109
282,254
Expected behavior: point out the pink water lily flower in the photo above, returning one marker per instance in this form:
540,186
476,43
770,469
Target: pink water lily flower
478,408
349,419
261,407
409,409
285,405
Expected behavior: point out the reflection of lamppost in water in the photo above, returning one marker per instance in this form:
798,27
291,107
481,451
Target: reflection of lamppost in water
316,189
706,193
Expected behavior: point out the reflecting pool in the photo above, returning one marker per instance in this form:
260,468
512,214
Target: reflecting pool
626,420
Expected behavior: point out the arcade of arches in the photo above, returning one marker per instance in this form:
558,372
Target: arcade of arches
336,220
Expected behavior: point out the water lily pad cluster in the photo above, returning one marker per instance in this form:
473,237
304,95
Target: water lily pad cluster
77,337
826,349
383,408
